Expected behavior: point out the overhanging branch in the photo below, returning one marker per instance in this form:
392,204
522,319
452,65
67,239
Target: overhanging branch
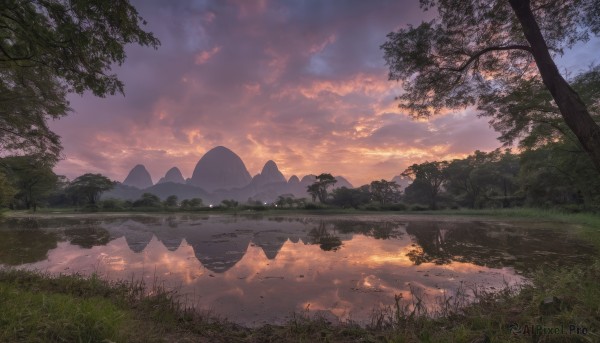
482,52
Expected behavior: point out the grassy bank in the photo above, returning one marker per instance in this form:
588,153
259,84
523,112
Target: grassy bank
40,308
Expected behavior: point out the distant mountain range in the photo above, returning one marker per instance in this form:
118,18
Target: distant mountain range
220,174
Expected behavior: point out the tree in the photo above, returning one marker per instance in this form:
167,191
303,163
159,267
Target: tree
430,176
481,50
32,176
7,191
53,47
385,191
89,187
191,203
171,201
230,203
552,175
348,197
319,188
147,200
285,200
483,178
195,202
185,203
528,114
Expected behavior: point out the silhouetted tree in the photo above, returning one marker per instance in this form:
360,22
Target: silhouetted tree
90,187
147,200
477,52
51,48
385,191
430,177
32,176
351,197
319,188
230,203
171,201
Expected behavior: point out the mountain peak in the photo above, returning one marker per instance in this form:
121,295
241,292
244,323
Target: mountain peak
270,166
173,175
138,177
220,168
270,173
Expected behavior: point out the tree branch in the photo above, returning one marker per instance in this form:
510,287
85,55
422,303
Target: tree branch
478,54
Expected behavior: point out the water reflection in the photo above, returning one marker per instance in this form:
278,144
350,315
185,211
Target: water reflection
495,245
261,269
26,246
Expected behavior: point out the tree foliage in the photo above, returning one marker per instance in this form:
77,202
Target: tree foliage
230,203
89,187
484,179
385,191
32,177
318,190
7,190
49,48
171,201
483,52
428,176
351,197
147,200
527,114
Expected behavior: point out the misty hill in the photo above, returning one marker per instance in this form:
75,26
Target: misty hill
173,175
342,182
138,177
162,190
269,174
220,168
403,181
220,174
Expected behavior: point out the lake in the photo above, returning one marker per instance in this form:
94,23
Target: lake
261,269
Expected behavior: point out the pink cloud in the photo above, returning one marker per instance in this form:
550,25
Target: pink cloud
243,75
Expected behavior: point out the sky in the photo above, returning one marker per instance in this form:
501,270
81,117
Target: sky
302,83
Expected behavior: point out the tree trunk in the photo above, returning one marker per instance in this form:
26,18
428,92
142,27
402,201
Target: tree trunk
572,109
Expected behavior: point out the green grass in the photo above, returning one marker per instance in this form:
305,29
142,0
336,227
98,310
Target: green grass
40,308
28,316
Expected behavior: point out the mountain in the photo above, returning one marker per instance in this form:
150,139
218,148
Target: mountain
403,181
173,175
269,174
220,174
342,182
308,179
162,190
138,177
220,168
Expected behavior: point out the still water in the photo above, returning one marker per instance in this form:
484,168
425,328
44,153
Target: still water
256,270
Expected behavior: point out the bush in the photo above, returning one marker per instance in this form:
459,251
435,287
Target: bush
418,207
394,207
312,206
148,200
112,204
90,208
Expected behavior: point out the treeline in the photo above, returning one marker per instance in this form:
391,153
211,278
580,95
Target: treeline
553,175
556,175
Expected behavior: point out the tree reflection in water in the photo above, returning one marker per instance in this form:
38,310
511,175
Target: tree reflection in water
494,245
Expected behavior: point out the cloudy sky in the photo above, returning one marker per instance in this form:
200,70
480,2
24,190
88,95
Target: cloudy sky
300,82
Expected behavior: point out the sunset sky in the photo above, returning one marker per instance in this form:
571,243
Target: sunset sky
300,82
